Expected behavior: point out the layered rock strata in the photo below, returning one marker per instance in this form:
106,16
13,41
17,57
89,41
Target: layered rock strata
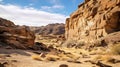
15,36
94,19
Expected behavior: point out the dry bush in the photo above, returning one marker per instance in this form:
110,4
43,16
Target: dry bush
65,58
98,51
50,57
80,44
97,43
102,58
115,49
36,57
106,57
69,43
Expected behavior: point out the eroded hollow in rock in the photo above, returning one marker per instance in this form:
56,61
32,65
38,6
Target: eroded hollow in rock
113,24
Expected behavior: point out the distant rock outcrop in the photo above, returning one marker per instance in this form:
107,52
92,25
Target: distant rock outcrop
54,29
15,36
93,20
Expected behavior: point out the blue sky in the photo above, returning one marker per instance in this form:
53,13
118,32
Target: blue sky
37,12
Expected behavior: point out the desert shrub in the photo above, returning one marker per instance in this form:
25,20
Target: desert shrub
115,49
69,43
80,43
50,57
98,57
97,43
36,57
102,57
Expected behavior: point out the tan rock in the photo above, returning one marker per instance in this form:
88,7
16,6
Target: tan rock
15,36
94,19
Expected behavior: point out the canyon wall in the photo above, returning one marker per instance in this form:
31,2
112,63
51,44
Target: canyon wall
94,19
15,36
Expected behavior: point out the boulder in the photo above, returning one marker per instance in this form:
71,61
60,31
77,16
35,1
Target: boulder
63,65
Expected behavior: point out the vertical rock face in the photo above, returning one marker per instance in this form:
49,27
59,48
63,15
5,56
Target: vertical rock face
93,19
15,36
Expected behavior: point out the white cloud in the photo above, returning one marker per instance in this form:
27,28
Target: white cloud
58,6
30,16
51,8
54,1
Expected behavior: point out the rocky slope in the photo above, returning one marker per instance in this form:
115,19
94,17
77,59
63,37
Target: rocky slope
15,36
54,29
93,20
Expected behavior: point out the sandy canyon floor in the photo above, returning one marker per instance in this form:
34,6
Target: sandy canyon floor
30,58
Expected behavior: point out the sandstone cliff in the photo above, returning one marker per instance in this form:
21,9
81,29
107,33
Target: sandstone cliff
15,36
94,19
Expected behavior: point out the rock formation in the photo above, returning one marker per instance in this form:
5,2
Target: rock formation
93,20
15,36
54,29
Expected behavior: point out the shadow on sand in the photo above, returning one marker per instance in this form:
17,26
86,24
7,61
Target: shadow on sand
13,51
